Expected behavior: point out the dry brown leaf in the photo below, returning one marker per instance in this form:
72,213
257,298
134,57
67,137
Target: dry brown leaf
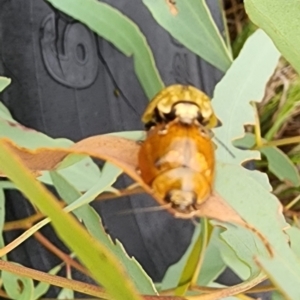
123,153
119,151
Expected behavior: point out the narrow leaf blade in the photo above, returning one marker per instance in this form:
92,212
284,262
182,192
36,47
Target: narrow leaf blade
118,29
194,27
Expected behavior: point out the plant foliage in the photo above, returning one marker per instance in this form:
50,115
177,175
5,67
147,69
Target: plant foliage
243,226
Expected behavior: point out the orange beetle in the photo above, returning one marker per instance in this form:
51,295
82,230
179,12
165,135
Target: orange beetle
177,161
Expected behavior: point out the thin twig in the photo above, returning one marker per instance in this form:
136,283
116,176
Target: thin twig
63,256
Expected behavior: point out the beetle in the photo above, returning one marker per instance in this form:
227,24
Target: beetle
177,161
184,103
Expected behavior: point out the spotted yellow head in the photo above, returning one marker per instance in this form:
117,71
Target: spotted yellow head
185,103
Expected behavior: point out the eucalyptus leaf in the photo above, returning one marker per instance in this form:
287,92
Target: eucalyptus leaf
108,177
66,294
248,192
263,211
2,213
5,114
79,169
173,273
244,244
193,26
277,296
213,264
2,220
27,137
281,166
278,162
232,260
280,20
4,82
92,221
102,264
111,173
294,234
245,81
196,256
254,203
83,174
118,29
17,287
284,271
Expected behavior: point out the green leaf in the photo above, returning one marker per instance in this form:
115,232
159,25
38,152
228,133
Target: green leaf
244,82
246,142
196,256
2,219
108,177
83,175
254,203
118,29
294,234
78,169
103,184
17,287
232,260
193,26
2,212
5,114
277,296
27,137
248,193
102,264
66,294
284,271
244,244
281,166
93,223
257,206
174,272
212,266
278,162
4,82
31,139
280,20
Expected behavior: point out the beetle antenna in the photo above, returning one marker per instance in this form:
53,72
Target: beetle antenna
224,146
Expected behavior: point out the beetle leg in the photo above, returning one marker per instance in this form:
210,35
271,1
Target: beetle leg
205,131
189,215
133,186
164,130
